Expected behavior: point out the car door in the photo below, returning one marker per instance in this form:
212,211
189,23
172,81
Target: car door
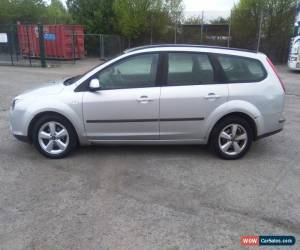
127,105
190,94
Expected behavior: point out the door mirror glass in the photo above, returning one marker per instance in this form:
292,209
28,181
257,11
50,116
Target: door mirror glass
94,85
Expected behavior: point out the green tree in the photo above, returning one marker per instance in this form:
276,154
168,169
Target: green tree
57,13
175,10
137,18
32,11
245,23
97,16
132,17
275,17
219,20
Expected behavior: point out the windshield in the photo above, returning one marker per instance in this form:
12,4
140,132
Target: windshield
73,79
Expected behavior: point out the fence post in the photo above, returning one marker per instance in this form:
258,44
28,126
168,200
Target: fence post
151,29
11,43
102,48
73,46
42,45
28,42
175,31
120,44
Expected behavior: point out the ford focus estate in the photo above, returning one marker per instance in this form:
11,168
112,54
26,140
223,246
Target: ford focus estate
162,94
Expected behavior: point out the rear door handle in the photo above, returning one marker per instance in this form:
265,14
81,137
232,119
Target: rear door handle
212,96
144,99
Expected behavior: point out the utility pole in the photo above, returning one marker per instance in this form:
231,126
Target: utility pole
202,23
260,31
229,30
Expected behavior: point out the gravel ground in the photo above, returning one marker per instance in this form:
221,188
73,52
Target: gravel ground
145,197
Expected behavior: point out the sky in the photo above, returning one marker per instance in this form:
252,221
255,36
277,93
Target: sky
209,5
211,8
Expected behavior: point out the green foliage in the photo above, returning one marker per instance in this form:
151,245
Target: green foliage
174,9
32,11
137,17
57,13
219,20
132,16
97,16
245,23
194,20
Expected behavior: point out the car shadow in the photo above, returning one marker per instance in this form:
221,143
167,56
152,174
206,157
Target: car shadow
170,150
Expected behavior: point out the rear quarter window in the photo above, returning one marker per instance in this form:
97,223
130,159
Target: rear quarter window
241,69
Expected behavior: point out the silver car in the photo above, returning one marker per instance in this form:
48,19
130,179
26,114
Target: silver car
162,94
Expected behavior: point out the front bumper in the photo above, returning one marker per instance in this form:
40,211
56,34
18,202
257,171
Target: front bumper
18,124
22,138
294,65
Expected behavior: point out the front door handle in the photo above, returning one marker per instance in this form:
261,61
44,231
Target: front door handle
212,96
144,99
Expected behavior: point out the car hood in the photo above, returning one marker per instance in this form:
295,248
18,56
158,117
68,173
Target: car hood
50,88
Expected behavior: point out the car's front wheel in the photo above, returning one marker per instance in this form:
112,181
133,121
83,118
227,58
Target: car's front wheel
231,138
54,136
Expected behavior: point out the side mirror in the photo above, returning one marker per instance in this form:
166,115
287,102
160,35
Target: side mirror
94,85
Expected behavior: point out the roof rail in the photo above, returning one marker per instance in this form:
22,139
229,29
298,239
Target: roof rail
185,45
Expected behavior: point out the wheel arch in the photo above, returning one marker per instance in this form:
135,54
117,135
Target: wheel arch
41,114
245,116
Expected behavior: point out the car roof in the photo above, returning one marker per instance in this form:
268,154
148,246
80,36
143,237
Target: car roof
184,46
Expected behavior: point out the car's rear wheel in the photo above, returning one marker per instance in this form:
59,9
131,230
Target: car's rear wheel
231,138
54,136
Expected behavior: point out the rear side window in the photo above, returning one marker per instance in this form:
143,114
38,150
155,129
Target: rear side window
241,69
189,69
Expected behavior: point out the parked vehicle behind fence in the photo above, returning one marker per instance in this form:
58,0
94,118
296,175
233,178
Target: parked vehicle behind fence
162,94
294,56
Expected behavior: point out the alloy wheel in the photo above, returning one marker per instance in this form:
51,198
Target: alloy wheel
53,137
233,139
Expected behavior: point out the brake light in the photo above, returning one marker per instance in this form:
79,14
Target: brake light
276,73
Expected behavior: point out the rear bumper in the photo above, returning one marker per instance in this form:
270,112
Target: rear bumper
279,128
268,134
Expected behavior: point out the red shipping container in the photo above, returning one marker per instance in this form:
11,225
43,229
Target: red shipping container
62,41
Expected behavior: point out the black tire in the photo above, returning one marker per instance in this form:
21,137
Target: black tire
72,139
214,138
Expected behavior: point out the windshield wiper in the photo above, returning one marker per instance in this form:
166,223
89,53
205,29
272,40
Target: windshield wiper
71,80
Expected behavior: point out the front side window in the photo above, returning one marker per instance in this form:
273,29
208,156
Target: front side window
241,69
135,72
189,69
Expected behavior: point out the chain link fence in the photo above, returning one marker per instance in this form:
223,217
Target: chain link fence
52,45
10,50
259,31
218,28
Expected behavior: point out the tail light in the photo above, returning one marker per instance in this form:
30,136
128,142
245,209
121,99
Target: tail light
276,73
